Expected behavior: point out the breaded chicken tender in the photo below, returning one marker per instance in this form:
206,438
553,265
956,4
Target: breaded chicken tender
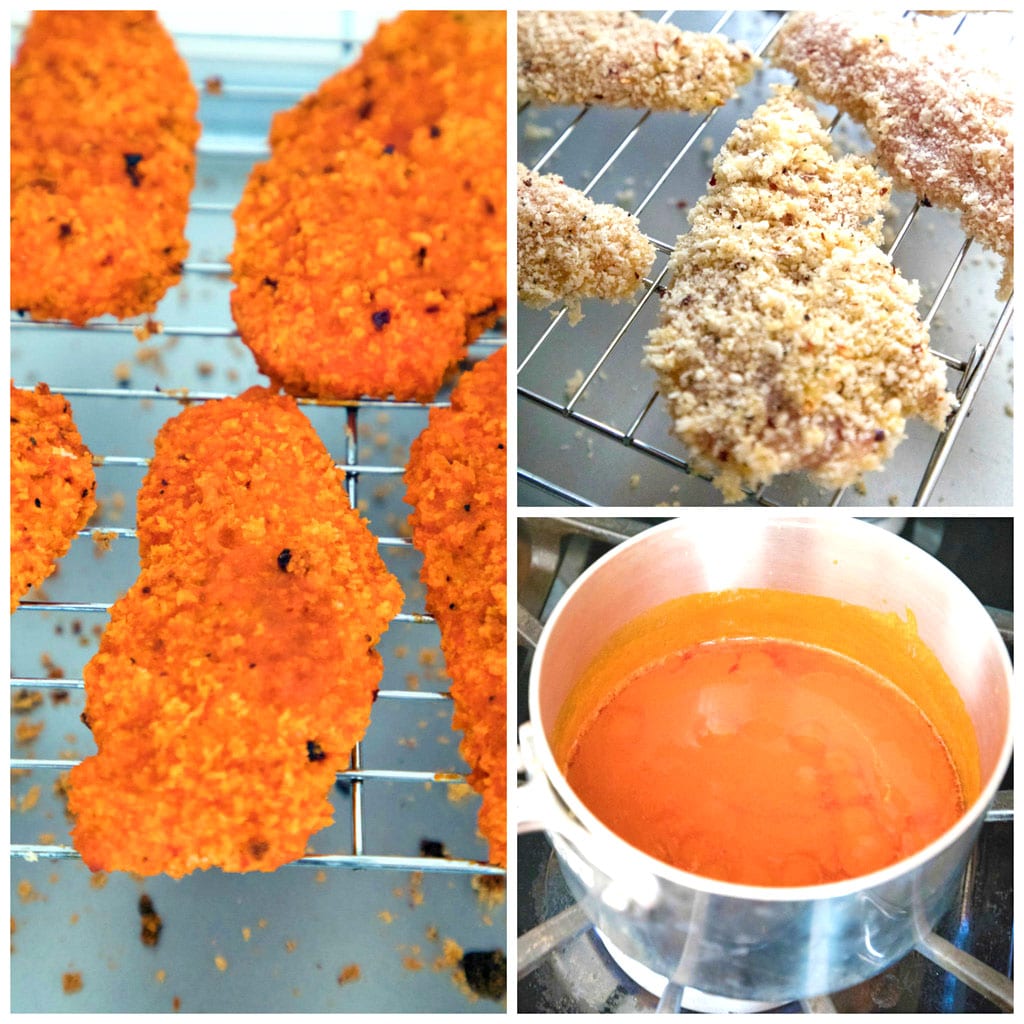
370,248
455,482
620,59
238,671
787,340
103,136
940,118
52,485
570,248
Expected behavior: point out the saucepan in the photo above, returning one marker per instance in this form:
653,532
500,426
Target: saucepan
746,942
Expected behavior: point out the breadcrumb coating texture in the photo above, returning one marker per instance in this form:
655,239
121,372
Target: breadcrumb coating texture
52,485
370,248
787,340
620,59
103,135
238,671
456,484
570,248
939,116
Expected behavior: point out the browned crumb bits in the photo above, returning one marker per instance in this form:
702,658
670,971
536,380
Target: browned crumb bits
71,982
486,973
152,923
349,973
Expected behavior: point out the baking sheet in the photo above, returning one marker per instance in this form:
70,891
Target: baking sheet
589,464
258,943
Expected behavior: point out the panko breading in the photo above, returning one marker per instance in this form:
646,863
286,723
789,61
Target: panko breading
570,248
939,117
619,59
103,135
238,671
787,340
456,484
370,247
52,485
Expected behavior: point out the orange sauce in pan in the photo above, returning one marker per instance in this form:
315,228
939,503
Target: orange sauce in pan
771,759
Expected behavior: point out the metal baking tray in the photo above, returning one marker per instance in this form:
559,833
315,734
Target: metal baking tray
372,895
592,431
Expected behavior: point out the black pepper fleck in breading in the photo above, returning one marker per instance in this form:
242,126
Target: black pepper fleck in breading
486,973
283,559
38,503
258,847
389,149
131,168
435,132
65,230
271,283
381,318
314,752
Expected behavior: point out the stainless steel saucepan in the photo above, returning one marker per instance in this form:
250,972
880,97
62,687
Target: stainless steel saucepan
771,944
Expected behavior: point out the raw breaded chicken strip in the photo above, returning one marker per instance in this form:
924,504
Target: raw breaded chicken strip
238,671
787,340
570,248
103,136
939,117
52,485
456,484
619,59
370,249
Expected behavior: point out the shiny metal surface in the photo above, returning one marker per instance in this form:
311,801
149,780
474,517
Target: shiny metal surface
742,941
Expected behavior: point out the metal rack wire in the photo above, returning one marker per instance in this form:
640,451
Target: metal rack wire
581,388
39,352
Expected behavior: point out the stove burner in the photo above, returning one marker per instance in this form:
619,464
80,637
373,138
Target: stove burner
692,999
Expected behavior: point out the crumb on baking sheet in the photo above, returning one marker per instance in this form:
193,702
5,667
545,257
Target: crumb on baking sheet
30,799
71,982
25,701
101,541
349,973
221,962
152,923
486,973
27,732
28,893
490,889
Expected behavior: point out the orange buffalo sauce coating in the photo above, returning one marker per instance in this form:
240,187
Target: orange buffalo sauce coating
763,756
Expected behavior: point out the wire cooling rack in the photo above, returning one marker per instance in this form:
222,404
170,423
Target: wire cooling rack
405,821
592,430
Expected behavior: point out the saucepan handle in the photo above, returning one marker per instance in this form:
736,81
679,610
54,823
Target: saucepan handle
613,879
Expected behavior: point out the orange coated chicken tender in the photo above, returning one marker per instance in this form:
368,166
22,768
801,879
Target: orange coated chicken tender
103,134
456,483
238,671
52,485
370,247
